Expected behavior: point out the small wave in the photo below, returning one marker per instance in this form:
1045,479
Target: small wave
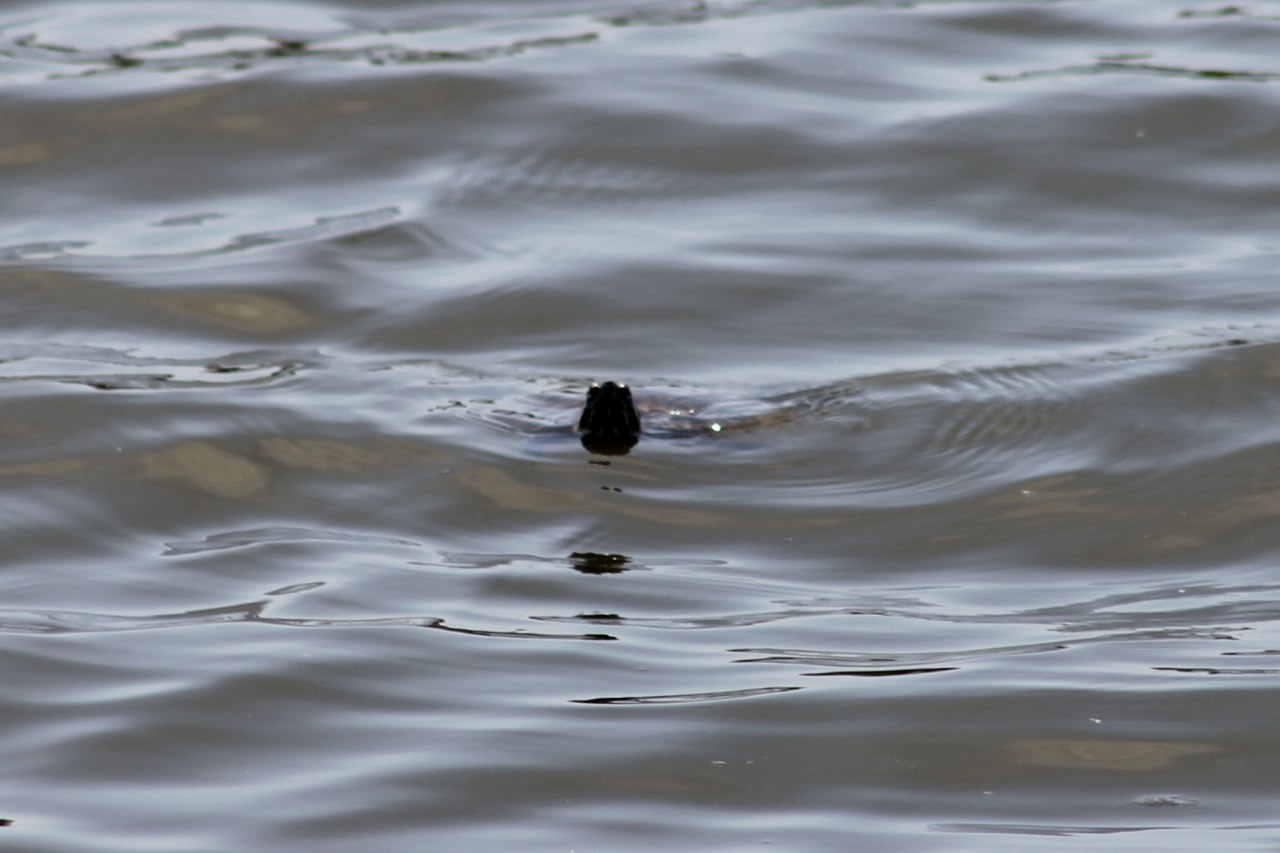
227,49
15,621
110,369
685,698
271,536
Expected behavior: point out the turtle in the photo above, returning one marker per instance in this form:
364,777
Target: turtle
611,420
609,424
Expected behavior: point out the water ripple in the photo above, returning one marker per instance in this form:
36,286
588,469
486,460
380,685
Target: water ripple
272,536
21,621
685,698
110,369
321,228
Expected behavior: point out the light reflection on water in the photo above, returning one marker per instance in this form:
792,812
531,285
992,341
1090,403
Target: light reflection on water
299,306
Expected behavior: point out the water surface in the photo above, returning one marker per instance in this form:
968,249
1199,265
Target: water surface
297,300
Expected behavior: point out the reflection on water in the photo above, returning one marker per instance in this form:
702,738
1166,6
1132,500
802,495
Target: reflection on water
23,154
247,538
65,622
207,468
320,454
247,312
1108,755
1164,800
680,699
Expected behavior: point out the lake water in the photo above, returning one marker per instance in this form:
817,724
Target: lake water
298,301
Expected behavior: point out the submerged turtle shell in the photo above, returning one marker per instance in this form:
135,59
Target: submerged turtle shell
613,419
666,413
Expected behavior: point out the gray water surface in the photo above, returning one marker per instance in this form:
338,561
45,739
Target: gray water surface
296,301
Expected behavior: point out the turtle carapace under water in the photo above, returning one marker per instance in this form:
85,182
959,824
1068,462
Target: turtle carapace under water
609,424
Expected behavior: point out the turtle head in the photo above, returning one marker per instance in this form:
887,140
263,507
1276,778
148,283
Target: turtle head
609,424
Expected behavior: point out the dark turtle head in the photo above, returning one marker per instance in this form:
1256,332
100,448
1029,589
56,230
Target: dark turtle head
609,423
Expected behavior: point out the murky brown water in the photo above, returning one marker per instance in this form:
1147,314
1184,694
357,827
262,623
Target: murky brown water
296,301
